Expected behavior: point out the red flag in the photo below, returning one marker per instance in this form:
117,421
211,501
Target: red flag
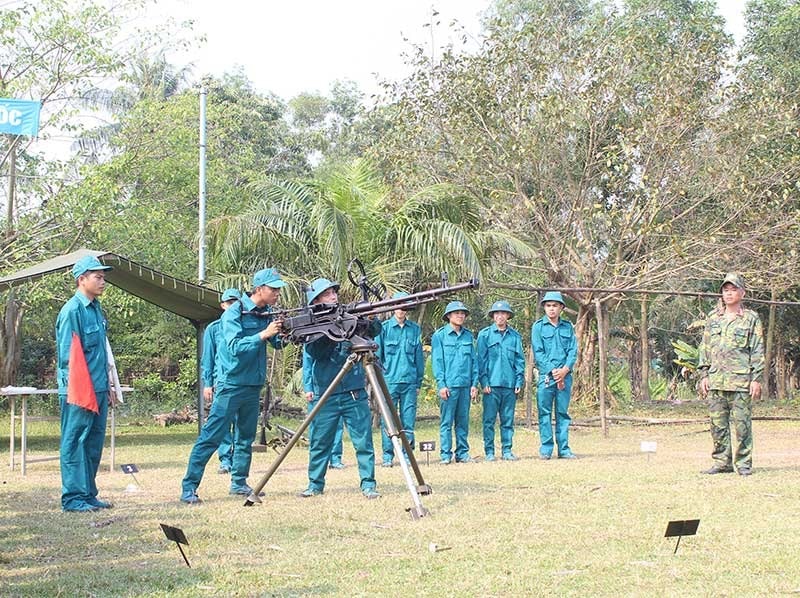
80,390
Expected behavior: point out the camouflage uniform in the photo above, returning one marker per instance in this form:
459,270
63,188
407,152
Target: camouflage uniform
731,356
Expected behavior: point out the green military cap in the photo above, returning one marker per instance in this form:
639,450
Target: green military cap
553,296
229,294
500,306
88,264
268,277
733,278
454,306
319,286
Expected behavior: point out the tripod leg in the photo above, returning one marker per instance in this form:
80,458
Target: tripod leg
422,487
392,423
348,365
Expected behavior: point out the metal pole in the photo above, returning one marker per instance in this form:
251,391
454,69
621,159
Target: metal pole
201,253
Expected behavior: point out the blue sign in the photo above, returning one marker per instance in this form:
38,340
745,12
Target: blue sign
19,117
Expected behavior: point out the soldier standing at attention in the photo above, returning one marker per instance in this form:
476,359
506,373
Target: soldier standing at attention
555,350
455,367
730,363
501,371
82,387
400,352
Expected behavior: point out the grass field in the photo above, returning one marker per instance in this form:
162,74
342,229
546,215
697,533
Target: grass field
589,527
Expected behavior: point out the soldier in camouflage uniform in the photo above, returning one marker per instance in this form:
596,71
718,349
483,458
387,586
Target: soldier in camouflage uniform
731,363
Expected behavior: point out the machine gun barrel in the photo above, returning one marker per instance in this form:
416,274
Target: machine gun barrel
365,310
340,321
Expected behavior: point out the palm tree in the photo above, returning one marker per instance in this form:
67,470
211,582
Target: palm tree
146,78
316,227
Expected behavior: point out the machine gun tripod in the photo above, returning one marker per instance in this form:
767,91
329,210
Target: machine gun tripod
363,350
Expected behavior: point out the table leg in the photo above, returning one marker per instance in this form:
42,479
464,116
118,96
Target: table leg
24,440
113,435
13,433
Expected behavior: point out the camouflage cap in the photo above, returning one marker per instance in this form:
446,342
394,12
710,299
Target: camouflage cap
734,278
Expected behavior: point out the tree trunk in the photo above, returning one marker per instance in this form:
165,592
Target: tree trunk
10,347
583,380
780,370
530,387
635,367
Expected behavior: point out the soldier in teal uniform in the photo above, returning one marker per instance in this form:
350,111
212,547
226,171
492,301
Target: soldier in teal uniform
455,367
501,372
208,364
83,430
242,357
348,401
400,352
338,444
731,362
555,349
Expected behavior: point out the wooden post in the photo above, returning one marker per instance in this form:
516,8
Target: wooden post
531,382
769,348
530,388
645,390
602,357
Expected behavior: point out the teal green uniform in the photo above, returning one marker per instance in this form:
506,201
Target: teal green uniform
338,444
553,347
348,402
208,363
242,367
455,366
400,353
501,367
82,431
731,355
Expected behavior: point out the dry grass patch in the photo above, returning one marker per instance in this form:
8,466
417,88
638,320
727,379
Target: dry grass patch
593,526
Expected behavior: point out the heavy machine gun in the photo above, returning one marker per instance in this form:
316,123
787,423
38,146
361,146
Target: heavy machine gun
341,322
350,322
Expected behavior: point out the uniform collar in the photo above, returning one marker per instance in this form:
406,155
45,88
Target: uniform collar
451,330
721,310
85,301
249,305
496,329
393,322
545,320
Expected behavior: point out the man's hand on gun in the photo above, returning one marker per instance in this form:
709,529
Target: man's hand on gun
275,327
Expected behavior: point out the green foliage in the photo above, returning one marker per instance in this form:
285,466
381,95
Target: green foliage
687,355
659,387
619,384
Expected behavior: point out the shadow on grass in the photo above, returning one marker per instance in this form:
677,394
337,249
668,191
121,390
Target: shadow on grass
46,552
